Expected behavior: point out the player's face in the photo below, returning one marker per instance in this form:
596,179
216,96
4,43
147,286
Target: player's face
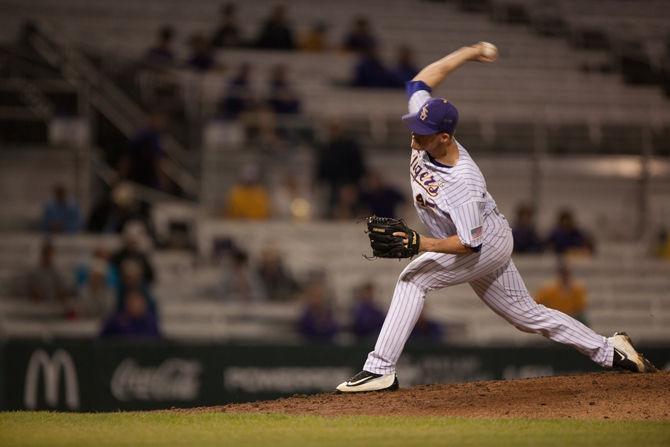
428,143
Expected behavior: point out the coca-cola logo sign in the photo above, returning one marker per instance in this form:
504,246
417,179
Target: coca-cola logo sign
173,380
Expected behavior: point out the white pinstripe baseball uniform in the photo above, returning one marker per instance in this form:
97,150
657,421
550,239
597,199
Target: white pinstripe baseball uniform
453,200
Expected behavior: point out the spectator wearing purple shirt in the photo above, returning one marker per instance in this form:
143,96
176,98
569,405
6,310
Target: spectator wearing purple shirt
367,317
161,54
426,330
317,322
568,238
239,97
405,68
525,235
144,160
380,198
202,56
360,38
135,320
227,35
371,72
282,97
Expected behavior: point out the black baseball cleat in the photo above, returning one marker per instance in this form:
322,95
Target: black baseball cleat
626,357
367,381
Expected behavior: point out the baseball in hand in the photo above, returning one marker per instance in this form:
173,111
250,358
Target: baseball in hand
489,51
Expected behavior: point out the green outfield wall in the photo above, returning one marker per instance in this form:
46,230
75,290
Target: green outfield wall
132,375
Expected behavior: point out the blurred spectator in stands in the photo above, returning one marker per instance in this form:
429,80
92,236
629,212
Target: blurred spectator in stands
348,205
114,210
635,63
360,37
564,294
25,34
525,235
202,55
135,244
568,238
281,96
61,213
263,129
315,40
370,71
96,283
45,283
248,198
96,297
317,322
239,97
274,275
426,330
227,35
100,257
161,55
367,317
380,198
276,33
143,162
134,320
132,279
290,201
240,282
661,247
223,248
339,161
405,67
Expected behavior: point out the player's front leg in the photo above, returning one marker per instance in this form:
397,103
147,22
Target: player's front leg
379,371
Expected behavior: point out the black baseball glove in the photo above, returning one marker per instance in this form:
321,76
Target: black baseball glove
385,244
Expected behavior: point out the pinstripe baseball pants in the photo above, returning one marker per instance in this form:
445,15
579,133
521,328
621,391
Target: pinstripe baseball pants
495,279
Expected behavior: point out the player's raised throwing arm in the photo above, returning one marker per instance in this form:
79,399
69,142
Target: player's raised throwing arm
433,75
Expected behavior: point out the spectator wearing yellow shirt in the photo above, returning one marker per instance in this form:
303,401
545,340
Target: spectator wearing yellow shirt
564,294
661,247
248,199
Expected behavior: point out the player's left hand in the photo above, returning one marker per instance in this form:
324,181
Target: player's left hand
391,238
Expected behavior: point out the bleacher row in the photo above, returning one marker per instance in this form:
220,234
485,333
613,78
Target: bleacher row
604,194
534,78
627,290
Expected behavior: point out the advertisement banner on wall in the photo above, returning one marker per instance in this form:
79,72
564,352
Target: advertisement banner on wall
108,376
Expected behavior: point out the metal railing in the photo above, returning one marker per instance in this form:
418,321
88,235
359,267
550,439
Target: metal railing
107,98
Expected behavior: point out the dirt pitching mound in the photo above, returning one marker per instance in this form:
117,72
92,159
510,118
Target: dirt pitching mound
610,395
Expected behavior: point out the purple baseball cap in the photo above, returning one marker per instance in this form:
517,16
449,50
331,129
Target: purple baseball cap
435,115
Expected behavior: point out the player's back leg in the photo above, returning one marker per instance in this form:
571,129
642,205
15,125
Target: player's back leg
504,291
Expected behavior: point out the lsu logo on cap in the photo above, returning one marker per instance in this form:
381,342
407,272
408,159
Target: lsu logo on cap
424,113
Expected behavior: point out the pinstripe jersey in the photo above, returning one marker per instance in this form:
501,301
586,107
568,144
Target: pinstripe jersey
451,199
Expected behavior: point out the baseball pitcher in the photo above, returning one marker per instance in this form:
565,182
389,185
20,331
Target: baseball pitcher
470,241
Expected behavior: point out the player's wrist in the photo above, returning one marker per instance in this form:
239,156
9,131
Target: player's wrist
426,243
472,52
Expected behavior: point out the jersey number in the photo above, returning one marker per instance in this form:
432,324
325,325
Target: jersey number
425,203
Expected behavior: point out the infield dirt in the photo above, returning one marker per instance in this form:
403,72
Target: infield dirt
608,395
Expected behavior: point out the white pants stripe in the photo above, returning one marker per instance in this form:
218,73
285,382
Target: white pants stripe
495,279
